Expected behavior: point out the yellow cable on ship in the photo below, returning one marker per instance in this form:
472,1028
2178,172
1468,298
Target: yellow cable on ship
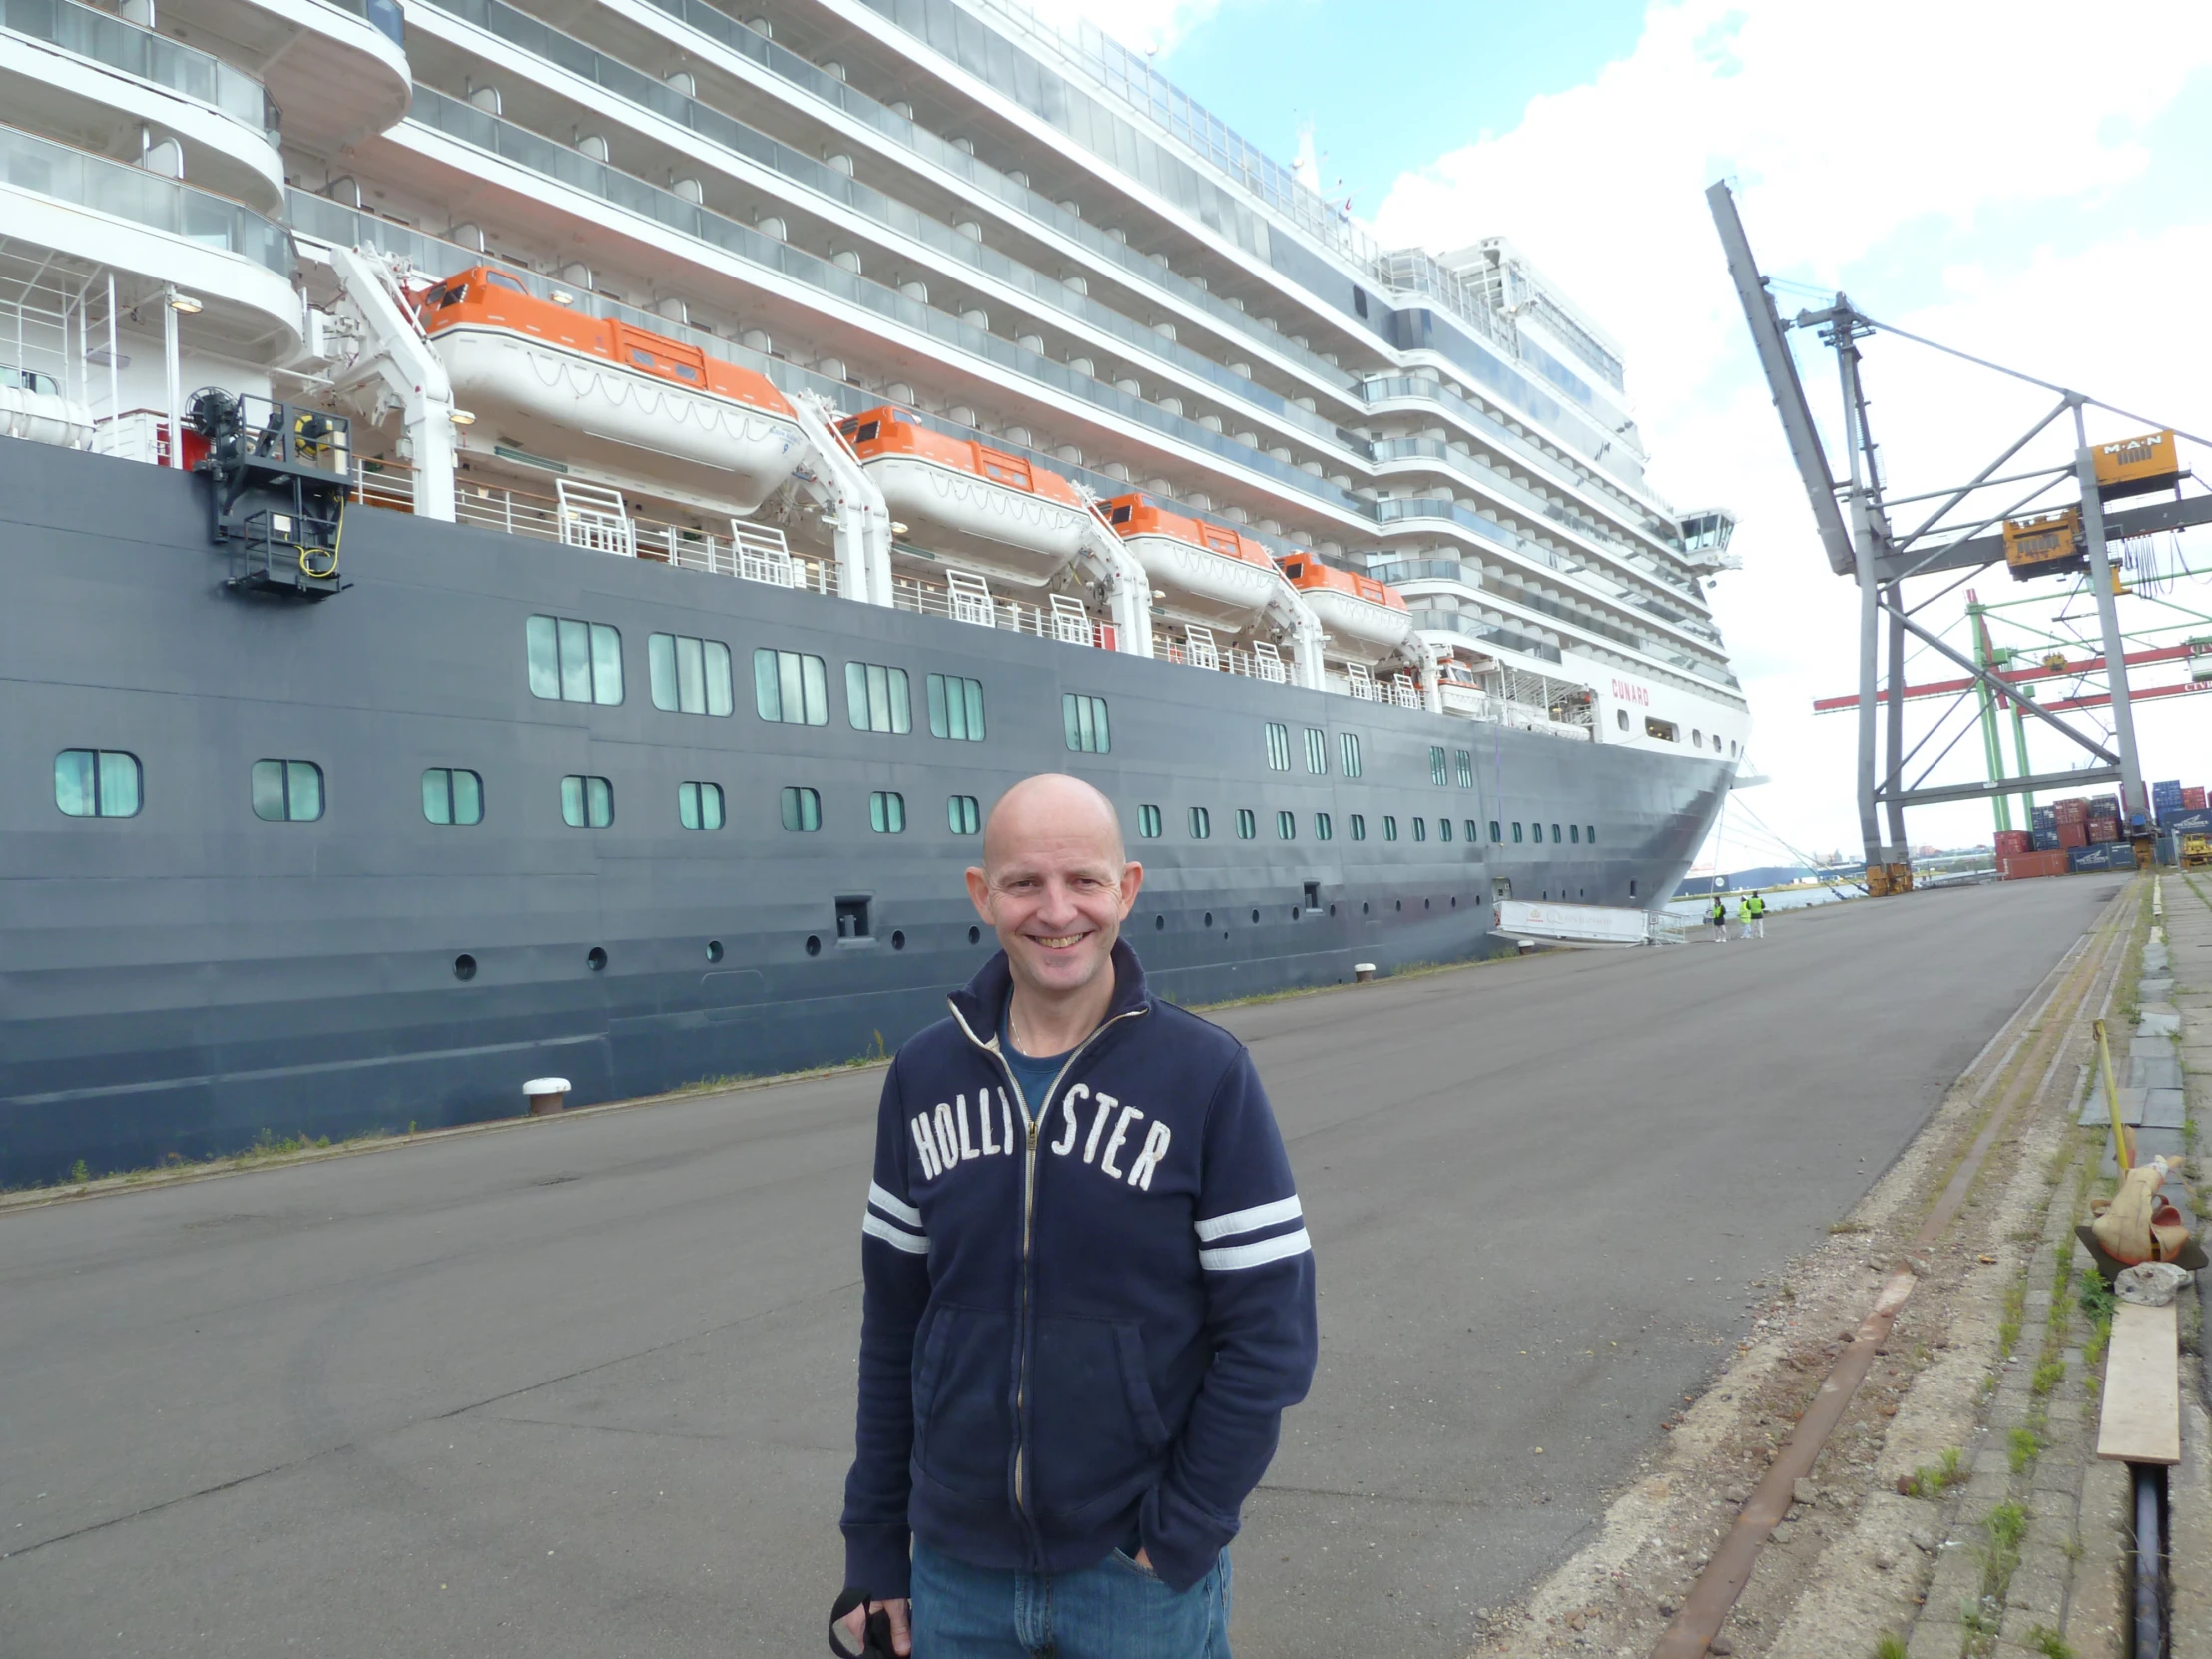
307,553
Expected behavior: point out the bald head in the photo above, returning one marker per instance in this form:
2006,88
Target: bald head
1051,808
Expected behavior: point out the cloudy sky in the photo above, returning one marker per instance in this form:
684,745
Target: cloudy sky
2021,180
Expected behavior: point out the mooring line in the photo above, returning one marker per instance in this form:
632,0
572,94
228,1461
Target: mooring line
1712,1597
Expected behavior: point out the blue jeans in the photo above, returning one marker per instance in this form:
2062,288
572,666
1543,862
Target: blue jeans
1115,1610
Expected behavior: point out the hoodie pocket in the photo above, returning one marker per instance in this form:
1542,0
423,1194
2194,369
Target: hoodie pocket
963,1423
1099,1438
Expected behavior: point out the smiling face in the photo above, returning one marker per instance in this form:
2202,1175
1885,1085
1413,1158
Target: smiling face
1055,886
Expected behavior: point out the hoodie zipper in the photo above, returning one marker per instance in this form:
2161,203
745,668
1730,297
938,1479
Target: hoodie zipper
1032,1123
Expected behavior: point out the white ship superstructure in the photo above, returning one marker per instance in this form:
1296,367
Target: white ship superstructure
1064,281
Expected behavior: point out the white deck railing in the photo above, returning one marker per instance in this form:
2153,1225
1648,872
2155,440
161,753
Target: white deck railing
582,514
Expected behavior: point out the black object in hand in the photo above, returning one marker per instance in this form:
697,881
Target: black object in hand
876,1635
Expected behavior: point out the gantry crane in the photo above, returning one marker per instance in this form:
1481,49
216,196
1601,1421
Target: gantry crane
1962,532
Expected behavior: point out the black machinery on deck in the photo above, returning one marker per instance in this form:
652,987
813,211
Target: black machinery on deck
277,480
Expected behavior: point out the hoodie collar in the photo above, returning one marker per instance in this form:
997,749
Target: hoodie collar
979,1003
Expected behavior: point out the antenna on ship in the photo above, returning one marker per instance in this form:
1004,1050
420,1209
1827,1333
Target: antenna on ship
1964,533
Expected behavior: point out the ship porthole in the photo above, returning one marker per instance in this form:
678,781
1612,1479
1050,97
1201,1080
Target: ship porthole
1159,925
1456,901
1363,906
813,945
714,950
1332,909
1402,904
1426,904
464,967
1256,915
898,941
1209,919
596,959
975,935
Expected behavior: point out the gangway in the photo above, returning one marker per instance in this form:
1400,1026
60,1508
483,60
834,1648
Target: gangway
1588,925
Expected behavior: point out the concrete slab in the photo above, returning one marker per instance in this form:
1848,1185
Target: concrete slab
2164,1109
2161,1072
2095,1111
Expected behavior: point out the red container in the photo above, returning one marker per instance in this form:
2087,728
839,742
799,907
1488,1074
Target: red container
2072,811
2021,867
2192,798
2011,842
2072,832
2103,830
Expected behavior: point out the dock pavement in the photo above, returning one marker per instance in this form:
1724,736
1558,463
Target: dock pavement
583,1387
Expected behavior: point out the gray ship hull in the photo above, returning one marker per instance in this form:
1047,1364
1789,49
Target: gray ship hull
183,979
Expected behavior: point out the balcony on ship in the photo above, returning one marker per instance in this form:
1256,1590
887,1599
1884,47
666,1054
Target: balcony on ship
105,84
86,236
502,59
336,68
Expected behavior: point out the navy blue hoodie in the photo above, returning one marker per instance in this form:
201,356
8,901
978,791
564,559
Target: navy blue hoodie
1084,1315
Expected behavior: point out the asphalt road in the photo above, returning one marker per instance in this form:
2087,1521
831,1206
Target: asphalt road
585,1387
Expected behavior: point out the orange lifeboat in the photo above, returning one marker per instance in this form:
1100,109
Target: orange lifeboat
608,398
1206,570
990,508
1367,620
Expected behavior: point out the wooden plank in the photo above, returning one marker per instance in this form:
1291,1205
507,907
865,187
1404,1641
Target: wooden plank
2143,1387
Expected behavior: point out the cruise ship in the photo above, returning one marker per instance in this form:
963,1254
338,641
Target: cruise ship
536,529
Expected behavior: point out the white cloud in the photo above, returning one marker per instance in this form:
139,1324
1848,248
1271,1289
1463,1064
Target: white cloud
1904,169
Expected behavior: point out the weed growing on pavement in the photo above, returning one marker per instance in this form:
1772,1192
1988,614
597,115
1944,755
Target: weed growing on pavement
1934,1480
2008,1329
2048,1375
2098,1303
2022,1447
1889,1647
2046,1642
1981,1616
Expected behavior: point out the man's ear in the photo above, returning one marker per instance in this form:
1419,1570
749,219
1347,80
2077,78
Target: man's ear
979,894
1132,881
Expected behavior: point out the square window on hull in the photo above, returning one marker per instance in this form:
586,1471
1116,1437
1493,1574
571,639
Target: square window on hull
287,791
96,782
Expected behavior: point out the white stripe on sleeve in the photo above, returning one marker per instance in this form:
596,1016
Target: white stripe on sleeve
1245,1221
1232,1257
892,1207
912,1243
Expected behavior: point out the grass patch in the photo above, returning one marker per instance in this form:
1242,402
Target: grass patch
2048,1375
2098,1303
2006,1530
2022,1447
1934,1480
1889,1647
2048,1642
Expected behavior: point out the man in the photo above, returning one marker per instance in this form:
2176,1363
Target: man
1718,916
1753,913
1088,1294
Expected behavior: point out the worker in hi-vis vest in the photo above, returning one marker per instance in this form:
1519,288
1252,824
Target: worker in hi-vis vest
1753,913
1718,916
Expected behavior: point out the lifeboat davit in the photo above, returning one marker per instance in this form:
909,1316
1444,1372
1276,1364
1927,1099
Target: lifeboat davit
598,393
990,509
1367,621
1207,573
